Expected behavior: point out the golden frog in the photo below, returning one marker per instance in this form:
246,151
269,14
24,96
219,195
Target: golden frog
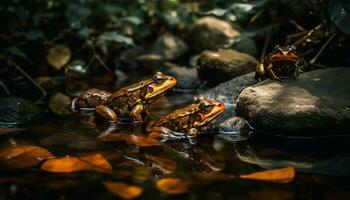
186,122
131,101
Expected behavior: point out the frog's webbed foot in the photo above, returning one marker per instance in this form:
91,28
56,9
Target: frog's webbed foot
135,113
105,113
167,133
272,74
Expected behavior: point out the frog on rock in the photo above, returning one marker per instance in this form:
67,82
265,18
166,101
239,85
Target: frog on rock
186,122
282,63
131,101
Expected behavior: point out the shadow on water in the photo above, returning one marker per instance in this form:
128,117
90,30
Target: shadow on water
322,166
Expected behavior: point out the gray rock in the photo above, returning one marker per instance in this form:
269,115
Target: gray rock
187,78
210,33
316,104
169,46
16,111
229,90
215,67
247,46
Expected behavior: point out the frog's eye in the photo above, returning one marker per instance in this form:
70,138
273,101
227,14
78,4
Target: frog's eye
206,107
158,79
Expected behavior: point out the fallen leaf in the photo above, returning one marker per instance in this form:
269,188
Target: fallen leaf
283,175
22,156
173,185
69,164
60,104
4,131
58,56
123,190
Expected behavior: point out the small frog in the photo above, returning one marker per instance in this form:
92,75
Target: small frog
131,101
283,62
186,122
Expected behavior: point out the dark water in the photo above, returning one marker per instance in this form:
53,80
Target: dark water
323,165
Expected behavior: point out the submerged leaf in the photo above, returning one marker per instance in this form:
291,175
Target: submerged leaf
22,156
123,190
69,164
173,185
58,56
284,175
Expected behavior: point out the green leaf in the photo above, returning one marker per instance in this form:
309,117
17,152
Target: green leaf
34,35
17,52
116,37
76,15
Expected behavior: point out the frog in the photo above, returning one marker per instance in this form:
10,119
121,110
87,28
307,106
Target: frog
188,121
281,63
131,102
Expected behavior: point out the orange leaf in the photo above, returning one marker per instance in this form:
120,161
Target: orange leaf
69,164
22,156
284,175
123,190
173,185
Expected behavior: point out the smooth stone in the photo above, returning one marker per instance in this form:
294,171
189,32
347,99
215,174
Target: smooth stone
215,67
151,62
210,33
16,111
169,46
316,104
187,78
228,91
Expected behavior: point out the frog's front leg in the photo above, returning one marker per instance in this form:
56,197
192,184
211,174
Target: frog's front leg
106,113
135,113
271,73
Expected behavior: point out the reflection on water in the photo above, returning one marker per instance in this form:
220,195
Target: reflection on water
140,161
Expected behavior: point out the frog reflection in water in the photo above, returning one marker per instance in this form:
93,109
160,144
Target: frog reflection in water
131,101
188,121
282,63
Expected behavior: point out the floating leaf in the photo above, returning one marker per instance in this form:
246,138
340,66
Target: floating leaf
284,175
173,185
4,131
123,190
58,56
22,156
69,164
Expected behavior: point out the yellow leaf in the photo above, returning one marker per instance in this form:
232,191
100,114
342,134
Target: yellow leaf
58,56
123,190
69,164
173,185
22,156
284,175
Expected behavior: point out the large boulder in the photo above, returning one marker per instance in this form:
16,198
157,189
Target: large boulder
215,67
316,104
211,33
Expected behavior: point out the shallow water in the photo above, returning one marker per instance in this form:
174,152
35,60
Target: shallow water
323,166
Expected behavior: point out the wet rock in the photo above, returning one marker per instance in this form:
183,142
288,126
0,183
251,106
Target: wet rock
215,67
193,60
209,33
234,129
187,78
316,104
16,111
229,90
151,62
169,46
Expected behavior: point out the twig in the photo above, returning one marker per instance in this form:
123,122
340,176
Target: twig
309,34
313,61
266,43
298,26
